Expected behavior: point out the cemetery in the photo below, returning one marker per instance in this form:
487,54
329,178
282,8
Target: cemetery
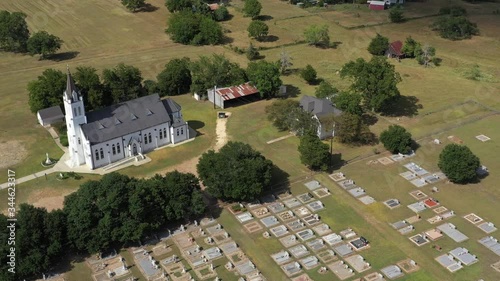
392,203
392,271
358,263
452,232
341,269
491,243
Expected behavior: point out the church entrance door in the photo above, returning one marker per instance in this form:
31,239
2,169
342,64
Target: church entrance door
134,149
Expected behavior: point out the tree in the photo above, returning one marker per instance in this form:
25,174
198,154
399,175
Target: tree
285,61
349,103
252,52
42,237
458,163
88,82
350,128
151,87
221,14
409,47
378,45
302,122
133,5
14,33
396,15
325,90
178,5
257,29
47,90
175,78
426,55
265,76
191,28
375,80
44,44
237,172
252,8
5,248
396,139
123,82
217,70
313,152
455,27
309,74
317,35
280,112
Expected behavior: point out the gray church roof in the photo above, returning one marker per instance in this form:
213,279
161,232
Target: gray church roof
128,117
319,107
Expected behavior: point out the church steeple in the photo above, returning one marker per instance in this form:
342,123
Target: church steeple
71,91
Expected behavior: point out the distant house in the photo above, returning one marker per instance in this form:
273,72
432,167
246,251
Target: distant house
213,6
221,97
377,5
394,50
321,109
49,116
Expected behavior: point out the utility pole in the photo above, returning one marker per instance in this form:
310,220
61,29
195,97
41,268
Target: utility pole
215,89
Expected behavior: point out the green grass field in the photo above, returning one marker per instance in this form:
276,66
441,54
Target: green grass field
104,34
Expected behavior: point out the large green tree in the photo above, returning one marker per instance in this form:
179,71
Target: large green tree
409,47
281,113
396,14
88,82
47,90
455,27
44,44
378,45
257,29
41,237
375,80
216,70
252,8
325,90
123,82
133,5
175,78
317,35
349,128
187,27
458,163
266,77
313,152
178,5
396,139
236,173
309,74
14,33
6,242
349,102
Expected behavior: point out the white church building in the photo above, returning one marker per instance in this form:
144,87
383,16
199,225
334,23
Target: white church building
101,137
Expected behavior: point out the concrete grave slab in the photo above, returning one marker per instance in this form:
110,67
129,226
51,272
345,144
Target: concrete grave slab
473,218
327,256
463,255
296,225
332,239
315,206
417,207
419,182
358,263
433,234
322,229
408,265
347,184
289,240
449,263
316,244
269,221
337,176
305,197
357,191
348,233
260,212
276,207
408,175
279,230
322,192
253,227
343,249
487,227
312,185
299,251
406,229
292,268
244,217
281,257
417,194
419,239
286,216
292,203
392,203
305,235
451,230
491,243
341,270
302,211
367,200
392,271
309,262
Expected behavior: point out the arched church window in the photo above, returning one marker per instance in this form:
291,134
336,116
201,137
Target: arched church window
102,153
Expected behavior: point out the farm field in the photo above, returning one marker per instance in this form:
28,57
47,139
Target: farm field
102,34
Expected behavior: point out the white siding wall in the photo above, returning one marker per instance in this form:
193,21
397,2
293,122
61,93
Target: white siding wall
155,137
183,133
126,140
108,152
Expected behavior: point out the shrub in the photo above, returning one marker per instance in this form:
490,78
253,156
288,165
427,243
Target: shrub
64,140
396,139
455,28
458,163
396,15
309,74
378,45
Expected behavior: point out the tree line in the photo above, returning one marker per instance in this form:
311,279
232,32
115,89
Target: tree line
179,76
15,37
114,211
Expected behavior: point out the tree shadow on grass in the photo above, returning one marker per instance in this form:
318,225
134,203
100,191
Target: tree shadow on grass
336,162
63,56
279,181
292,91
226,40
403,106
264,17
369,119
147,8
335,44
270,38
